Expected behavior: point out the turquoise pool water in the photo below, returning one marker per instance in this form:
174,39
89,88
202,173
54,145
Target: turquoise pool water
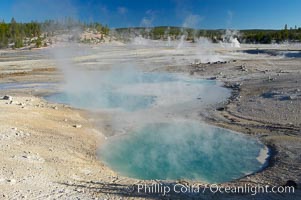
137,90
182,150
106,99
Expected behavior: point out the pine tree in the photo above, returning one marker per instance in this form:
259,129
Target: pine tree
38,42
285,27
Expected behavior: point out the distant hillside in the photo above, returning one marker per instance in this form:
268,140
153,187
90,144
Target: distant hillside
163,32
244,36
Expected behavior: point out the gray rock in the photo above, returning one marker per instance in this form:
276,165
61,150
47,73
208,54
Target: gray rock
11,181
77,126
7,97
288,97
212,78
292,97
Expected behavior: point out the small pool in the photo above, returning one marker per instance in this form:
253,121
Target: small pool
271,52
183,150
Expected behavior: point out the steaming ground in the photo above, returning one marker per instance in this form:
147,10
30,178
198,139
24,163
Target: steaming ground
48,150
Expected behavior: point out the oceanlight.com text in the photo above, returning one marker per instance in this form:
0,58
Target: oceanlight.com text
159,188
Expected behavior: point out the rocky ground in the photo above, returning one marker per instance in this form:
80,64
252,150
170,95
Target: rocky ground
48,150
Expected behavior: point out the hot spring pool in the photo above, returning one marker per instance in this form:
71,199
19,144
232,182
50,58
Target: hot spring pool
162,140
132,91
183,150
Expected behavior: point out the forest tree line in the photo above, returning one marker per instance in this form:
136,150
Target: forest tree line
244,36
16,35
271,36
